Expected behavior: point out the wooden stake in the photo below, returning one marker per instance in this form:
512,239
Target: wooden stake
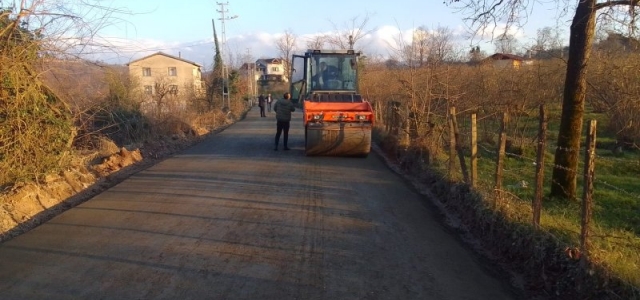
542,140
501,153
474,150
452,143
587,191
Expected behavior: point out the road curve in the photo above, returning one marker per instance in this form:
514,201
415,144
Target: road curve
232,219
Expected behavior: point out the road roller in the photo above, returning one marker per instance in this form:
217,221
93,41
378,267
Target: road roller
337,119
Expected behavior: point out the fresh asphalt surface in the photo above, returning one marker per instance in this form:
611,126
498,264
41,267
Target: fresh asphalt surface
232,219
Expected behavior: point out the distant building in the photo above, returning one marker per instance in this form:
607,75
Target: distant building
271,69
250,69
505,60
162,75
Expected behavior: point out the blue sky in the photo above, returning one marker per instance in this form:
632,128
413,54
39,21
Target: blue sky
184,27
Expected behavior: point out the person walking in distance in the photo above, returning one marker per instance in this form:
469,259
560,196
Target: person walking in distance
269,102
283,109
261,105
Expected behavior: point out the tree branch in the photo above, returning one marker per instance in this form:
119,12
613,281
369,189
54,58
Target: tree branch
616,3
490,10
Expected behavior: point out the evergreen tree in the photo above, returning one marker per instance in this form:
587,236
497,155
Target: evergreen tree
215,78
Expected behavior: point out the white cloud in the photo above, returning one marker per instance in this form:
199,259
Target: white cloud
121,51
494,31
382,42
387,39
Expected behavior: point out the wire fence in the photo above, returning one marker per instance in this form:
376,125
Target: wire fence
511,156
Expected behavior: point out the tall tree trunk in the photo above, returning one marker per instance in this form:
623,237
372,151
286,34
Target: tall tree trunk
565,170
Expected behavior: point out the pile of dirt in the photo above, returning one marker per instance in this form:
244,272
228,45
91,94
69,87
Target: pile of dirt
116,162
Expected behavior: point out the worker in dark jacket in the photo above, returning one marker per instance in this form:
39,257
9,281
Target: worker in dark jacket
261,103
283,109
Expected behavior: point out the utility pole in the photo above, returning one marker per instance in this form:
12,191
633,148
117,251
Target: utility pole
225,71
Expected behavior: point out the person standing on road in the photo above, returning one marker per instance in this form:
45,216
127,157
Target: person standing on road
283,109
269,102
261,105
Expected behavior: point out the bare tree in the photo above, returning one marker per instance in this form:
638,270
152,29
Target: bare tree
547,38
286,45
70,29
403,52
429,46
354,31
165,92
506,43
440,45
420,45
317,42
485,13
547,42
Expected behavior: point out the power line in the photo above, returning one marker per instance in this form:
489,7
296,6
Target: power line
225,72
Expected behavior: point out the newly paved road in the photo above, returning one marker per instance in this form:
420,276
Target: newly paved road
232,219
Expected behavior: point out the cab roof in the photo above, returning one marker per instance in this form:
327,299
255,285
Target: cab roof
332,51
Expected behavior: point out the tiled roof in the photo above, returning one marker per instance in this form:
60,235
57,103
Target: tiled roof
167,55
505,56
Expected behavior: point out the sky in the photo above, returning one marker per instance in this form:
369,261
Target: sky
184,28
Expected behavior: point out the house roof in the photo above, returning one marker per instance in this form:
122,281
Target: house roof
247,66
269,61
505,56
167,55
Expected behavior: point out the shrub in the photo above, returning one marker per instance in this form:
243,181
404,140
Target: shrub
36,128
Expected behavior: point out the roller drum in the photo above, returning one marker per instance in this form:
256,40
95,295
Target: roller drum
338,139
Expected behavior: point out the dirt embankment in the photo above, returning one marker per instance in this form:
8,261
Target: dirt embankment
26,206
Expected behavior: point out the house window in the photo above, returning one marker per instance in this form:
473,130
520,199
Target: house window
173,89
173,71
148,90
275,69
146,72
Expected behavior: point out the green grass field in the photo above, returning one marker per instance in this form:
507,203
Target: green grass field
615,226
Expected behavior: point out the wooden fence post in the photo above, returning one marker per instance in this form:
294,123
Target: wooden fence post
501,153
587,191
474,150
456,135
542,141
452,143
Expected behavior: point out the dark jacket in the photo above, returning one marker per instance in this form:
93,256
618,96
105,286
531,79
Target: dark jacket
283,109
261,101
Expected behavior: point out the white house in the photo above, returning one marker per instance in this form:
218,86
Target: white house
271,69
161,75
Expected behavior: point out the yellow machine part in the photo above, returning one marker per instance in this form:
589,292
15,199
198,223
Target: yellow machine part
338,139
